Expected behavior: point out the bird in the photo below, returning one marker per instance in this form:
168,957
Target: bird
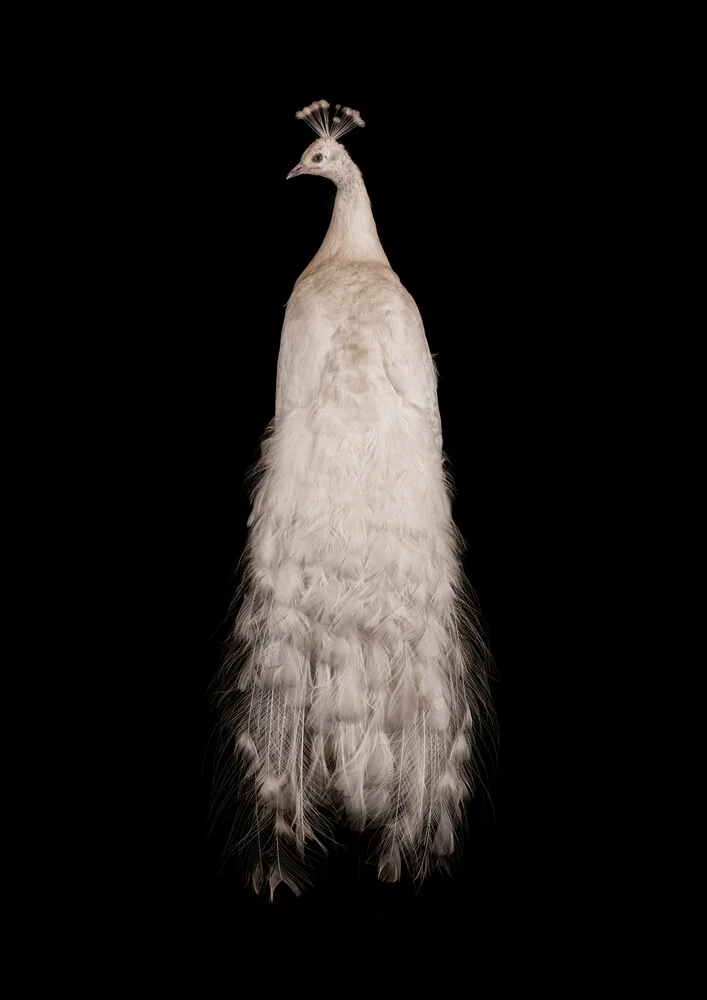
355,687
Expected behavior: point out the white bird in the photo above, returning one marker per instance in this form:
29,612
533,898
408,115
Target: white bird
357,680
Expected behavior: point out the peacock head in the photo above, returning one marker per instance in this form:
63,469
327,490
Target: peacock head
326,157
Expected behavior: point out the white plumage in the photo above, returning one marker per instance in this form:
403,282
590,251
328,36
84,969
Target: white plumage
357,655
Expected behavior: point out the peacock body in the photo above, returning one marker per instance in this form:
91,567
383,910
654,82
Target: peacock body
357,654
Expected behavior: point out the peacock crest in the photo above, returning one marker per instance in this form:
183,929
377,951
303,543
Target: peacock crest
343,120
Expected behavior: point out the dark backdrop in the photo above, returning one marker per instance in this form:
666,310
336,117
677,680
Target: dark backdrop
483,209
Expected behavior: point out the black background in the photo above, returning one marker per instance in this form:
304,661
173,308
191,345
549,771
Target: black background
484,209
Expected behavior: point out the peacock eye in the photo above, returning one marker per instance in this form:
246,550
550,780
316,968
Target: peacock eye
317,158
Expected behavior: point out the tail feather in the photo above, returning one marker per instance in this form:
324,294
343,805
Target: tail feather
358,667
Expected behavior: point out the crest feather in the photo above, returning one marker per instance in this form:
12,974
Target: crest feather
343,120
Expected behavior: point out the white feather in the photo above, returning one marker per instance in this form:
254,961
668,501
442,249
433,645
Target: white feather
361,664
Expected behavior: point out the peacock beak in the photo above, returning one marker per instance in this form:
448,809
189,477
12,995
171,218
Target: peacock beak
299,169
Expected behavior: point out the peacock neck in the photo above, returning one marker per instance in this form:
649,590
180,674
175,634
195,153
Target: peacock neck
352,235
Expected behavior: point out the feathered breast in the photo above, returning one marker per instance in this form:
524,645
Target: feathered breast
354,328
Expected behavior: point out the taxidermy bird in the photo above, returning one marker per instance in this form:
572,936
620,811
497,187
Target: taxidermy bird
356,686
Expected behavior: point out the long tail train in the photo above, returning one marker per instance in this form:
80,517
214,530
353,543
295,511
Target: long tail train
357,675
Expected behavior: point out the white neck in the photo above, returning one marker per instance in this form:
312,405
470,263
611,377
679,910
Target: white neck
352,234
